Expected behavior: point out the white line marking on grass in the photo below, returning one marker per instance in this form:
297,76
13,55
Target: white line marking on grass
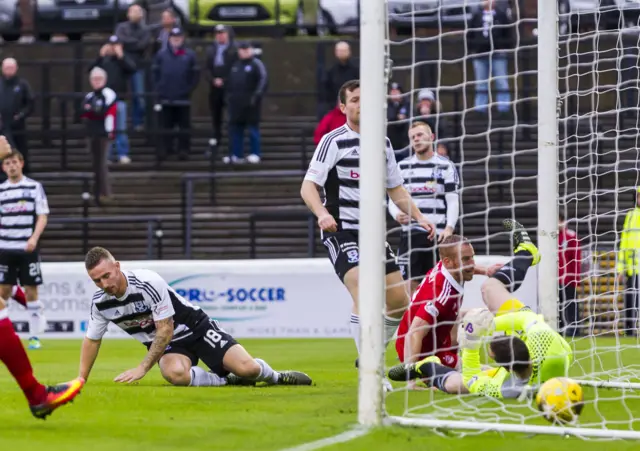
346,436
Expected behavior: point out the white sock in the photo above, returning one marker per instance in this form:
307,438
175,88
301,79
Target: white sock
202,378
37,322
354,327
390,328
267,374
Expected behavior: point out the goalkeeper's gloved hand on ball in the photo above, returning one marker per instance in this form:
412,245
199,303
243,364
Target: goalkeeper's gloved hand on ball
476,324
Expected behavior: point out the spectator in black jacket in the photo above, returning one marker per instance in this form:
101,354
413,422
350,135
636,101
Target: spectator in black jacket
397,114
135,36
246,85
220,57
16,104
341,72
175,76
168,21
119,67
490,40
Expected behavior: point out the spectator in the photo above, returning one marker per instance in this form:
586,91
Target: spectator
245,87
397,110
332,120
491,37
136,38
341,72
168,21
99,111
175,76
220,57
628,265
569,261
427,111
16,104
119,68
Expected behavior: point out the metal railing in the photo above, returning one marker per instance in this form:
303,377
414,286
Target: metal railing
154,230
187,192
283,214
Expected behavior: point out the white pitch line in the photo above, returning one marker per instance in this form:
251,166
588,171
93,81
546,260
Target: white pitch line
334,440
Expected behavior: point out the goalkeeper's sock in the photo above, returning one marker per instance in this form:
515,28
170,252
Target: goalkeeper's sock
513,273
13,355
267,374
202,378
354,328
390,328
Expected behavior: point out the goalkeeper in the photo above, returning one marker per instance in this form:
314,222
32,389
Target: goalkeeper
550,353
509,380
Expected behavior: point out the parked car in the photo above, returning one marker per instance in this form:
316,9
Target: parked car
601,14
10,20
244,12
407,13
76,17
337,17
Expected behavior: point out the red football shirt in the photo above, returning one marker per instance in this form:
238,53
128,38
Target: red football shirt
569,257
437,301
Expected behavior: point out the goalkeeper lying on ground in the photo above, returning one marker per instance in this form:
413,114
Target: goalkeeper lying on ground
509,380
549,353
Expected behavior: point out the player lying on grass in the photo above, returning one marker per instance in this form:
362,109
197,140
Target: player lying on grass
42,400
551,355
176,333
427,326
509,380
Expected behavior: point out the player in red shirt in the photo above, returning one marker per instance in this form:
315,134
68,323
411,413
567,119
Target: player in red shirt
569,262
427,325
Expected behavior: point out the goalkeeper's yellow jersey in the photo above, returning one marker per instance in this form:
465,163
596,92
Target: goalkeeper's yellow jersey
550,353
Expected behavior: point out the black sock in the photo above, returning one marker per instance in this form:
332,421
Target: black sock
436,374
512,274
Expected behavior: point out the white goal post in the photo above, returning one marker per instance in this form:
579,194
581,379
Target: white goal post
466,413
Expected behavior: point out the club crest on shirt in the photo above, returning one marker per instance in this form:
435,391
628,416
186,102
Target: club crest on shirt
139,306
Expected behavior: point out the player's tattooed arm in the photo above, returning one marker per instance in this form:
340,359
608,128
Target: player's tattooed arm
164,334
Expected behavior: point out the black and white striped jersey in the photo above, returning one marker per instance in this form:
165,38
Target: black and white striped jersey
433,185
148,299
20,204
336,167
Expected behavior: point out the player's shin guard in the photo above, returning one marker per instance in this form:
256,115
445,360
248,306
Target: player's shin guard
267,374
354,328
202,378
37,322
513,273
390,327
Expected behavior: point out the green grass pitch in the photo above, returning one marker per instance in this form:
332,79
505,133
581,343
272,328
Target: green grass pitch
155,416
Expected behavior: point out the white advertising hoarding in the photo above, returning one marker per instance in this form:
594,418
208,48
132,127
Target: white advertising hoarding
251,298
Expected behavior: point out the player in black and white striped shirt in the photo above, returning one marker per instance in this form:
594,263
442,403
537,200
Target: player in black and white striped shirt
432,180
335,167
176,333
23,217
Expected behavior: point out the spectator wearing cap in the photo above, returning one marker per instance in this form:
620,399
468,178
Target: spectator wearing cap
427,111
135,37
119,67
397,114
220,57
246,85
332,120
168,21
342,71
491,30
175,76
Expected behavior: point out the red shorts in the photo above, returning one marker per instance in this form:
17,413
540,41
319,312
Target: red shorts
448,358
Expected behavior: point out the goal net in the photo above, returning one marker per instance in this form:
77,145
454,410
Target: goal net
543,124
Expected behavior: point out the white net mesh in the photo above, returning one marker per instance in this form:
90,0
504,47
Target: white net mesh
495,148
